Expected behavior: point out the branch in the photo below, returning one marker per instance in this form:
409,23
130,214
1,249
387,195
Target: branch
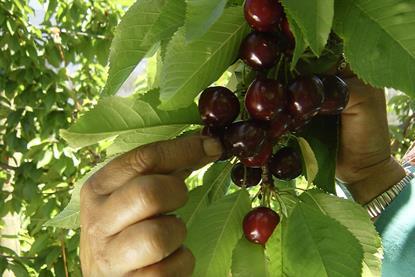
8,167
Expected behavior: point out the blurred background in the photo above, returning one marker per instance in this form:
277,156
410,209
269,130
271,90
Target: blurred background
52,67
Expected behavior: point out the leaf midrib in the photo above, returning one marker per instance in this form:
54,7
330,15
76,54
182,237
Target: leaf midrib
224,228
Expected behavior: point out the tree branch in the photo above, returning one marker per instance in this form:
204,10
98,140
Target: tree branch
8,167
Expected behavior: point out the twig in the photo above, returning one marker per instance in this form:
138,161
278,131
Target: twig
65,265
8,167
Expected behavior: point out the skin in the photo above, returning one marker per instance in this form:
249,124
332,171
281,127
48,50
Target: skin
124,229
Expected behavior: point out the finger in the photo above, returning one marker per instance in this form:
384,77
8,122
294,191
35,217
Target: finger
145,243
141,198
179,264
156,158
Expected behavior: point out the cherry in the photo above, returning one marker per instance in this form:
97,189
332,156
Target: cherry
263,15
261,158
259,50
285,164
218,106
265,98
279,125
336,95
259,224
288,34
252,176
244,138
306,97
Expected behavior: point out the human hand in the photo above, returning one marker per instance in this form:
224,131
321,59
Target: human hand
364,161
124,231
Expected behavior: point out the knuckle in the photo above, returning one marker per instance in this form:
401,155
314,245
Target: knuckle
156,242
144,159
148,195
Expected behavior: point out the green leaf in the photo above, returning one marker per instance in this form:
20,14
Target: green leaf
218,177
190,68
300,43
69,217
309,158
314,17
356,219
274,253
128,116
248,259
201,15
127,142
378,42
314,244
215,232
145,23
322,135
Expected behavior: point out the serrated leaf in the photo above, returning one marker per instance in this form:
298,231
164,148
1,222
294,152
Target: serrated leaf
356,219
144,24
215,232
322,135
127,142
378,42
200,197
190,68
300,43
248,259
315,18
115,116
309,158
218,177
274,253
314,244
69,217
201,15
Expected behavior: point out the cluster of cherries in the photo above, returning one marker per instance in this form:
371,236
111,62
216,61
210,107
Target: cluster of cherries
273,109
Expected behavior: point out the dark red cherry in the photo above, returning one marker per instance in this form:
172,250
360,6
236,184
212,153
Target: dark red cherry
263,15
285,164
279,125
218,106
306,97
259,224
244,138
259,50
289,36
261,158
265,98
252,176
336,95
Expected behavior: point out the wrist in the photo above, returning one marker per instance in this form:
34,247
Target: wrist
378,179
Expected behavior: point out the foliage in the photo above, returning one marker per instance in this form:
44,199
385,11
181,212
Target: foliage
188,53
49,74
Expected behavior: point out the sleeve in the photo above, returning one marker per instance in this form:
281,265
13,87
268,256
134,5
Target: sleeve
396,226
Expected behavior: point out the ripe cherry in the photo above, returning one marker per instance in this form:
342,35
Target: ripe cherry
306,97
285,164
336,95
244,138
263,15
218,106
265,98
259,224
259,50
261,158
252,176
289,36
279,125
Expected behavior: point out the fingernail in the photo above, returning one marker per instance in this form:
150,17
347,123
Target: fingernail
212,147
